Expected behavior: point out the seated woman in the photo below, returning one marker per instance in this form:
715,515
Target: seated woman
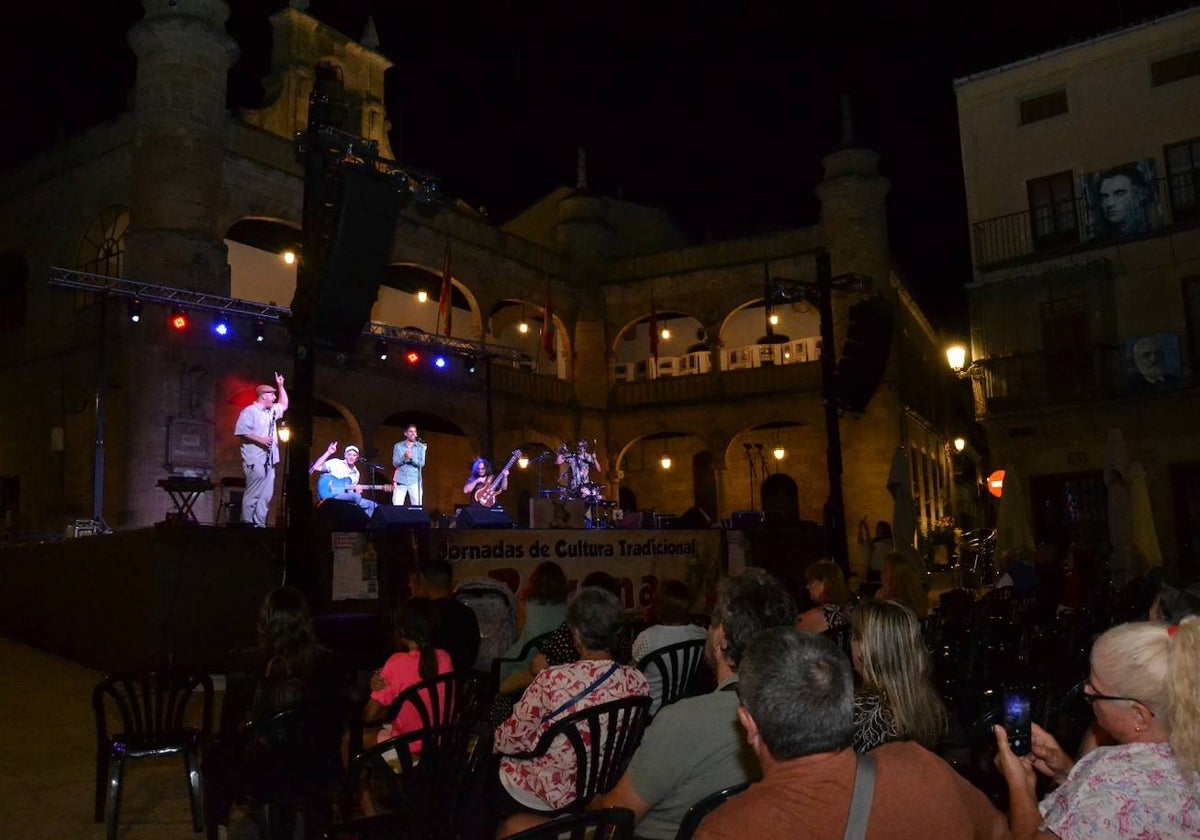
831,615
541,606
896,700
548,782
416,660
903,582
1144,688
673,609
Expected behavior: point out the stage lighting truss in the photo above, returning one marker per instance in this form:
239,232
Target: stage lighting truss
138,294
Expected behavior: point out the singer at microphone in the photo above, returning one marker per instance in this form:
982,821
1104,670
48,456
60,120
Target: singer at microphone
408,457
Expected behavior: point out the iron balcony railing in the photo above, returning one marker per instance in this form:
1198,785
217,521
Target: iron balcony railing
1072,224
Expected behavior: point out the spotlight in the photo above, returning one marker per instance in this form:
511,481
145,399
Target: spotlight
439,362
179,319
471,368
221,326
381,349
412,357
289,257
422,296
260,331
135,310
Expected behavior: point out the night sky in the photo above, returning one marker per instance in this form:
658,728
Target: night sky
719,113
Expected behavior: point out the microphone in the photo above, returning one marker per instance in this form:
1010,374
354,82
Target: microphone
375,467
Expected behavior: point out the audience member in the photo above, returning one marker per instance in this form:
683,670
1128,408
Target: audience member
896,700
831,615
1144,688
541,607
695,747
1172,605
458,628
673,609
1017,570
876,548
903,581
548,782
797,707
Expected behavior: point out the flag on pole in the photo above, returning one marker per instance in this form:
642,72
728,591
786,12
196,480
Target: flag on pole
549,335
446,300
653,331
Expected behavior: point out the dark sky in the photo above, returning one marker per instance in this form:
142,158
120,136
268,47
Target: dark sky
718,112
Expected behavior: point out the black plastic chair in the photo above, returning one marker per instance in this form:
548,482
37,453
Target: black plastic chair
285,763
152,707
444,700
424,776
604,824
696,814
527,649
677,665
603,738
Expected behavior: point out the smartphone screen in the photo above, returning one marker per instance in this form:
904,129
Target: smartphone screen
1016,720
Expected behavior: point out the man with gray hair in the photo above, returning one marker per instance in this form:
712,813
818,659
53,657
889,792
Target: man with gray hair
695,747
797,707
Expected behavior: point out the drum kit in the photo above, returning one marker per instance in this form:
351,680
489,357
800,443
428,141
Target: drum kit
599,512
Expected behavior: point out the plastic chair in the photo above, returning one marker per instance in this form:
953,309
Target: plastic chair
603,738
285,763
446,699
152,707
696,814
526,650
677,664
423,776
604,824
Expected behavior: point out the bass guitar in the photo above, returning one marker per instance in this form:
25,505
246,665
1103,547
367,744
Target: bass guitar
486,495
328,486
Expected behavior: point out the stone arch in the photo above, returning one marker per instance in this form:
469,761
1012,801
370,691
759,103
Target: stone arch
780,497
666,489
255,250
411,277
102,248
499,319
802,435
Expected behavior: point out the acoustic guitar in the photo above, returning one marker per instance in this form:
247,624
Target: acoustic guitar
486,495
328,486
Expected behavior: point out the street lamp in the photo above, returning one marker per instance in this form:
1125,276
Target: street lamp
956,356
960,444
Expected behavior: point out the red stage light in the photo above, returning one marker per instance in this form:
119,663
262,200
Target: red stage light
179,320
412,357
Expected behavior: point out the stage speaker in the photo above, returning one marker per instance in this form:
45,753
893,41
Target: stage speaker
341,515
694,518
334,297
636,520
744,520
864,356
395,516
478,516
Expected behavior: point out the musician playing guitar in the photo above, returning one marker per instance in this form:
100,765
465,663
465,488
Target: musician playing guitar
339,479
485,487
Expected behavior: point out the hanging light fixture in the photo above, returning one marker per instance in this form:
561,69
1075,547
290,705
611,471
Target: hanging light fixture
522,462
773,319
779,452
665,332
523,326
665,460
285,433
960,444
289,257
422,296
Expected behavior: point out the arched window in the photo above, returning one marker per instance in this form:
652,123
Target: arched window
102,250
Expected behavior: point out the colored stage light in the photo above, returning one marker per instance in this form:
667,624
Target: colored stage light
439,362
412,357
260,331
179,319
221,327
381,350
135,310
471,367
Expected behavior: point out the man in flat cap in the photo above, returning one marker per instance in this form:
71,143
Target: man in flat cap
343,483
260,449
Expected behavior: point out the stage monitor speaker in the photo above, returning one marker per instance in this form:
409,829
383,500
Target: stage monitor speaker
333,300
865,354
744,520
636,520
341,515
478,516
694,518
396,516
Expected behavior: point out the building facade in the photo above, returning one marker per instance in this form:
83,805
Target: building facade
1081,170
179,193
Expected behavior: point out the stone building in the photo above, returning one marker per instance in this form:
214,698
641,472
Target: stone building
181,194
1081,168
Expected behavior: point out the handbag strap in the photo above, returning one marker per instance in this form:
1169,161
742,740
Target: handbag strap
860,800
585,692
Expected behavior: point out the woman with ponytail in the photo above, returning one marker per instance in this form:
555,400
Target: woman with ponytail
416,660
1144,689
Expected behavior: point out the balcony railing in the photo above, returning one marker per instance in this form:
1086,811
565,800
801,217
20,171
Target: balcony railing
1035,380
799,378
530,386
1051,229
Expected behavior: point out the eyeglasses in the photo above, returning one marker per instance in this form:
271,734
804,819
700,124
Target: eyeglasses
1090,697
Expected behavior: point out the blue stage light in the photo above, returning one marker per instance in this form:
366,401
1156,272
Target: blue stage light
439,362
221,327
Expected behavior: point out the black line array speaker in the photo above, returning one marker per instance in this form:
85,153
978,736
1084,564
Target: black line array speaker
395,516
334,298
477,516
864,357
